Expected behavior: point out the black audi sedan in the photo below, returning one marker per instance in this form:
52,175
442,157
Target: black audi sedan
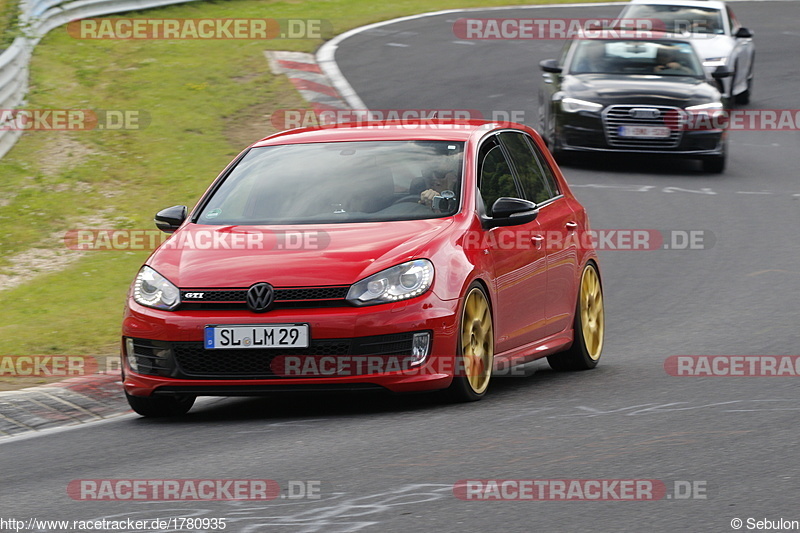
633,95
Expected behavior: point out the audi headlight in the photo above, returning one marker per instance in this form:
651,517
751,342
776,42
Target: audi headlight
713,106
399,282
715,61
573,105
151,289
705,117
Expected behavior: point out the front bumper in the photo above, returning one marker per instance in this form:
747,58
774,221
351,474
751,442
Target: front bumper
590,132
351,347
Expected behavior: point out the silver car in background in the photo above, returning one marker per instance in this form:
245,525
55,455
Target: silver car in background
715,32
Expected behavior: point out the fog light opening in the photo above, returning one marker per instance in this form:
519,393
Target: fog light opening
150,358
130,355
420,346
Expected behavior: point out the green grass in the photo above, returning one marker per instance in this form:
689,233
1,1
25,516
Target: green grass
9,12
206,100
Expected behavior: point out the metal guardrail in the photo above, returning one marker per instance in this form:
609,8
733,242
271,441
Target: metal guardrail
39,17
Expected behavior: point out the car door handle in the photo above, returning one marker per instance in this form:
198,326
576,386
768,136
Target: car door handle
572,225
537,241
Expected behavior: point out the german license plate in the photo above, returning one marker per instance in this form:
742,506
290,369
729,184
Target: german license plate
644,132
256,336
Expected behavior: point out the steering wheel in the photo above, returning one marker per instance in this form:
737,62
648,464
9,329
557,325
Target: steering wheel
407,198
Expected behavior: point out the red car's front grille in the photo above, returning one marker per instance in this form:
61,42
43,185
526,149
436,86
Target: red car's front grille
195,361
290,297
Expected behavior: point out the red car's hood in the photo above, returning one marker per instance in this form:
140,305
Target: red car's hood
199,256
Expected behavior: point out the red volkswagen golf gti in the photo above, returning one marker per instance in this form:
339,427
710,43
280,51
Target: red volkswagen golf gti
398,256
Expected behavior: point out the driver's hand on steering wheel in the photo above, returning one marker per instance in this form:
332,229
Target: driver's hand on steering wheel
426,197
672,65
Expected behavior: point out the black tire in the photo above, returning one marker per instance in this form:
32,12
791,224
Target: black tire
559,154
161,406
714,165
743,98
587,347
475,360
551,141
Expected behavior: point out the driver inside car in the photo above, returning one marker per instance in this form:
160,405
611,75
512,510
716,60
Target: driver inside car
437,182
667,62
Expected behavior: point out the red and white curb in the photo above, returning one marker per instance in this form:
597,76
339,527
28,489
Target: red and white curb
309,79
67,402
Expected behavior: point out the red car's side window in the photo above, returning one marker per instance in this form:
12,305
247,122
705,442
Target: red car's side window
547,172
529,171
495,179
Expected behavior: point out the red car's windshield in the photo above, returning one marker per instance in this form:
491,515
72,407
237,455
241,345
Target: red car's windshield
339,182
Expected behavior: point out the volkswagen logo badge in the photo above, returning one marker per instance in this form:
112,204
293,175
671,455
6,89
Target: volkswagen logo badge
260,297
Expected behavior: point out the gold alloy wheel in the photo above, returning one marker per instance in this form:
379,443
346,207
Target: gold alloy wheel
477,340
592,313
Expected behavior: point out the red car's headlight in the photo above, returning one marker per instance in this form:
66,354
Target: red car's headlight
399,282
151,289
